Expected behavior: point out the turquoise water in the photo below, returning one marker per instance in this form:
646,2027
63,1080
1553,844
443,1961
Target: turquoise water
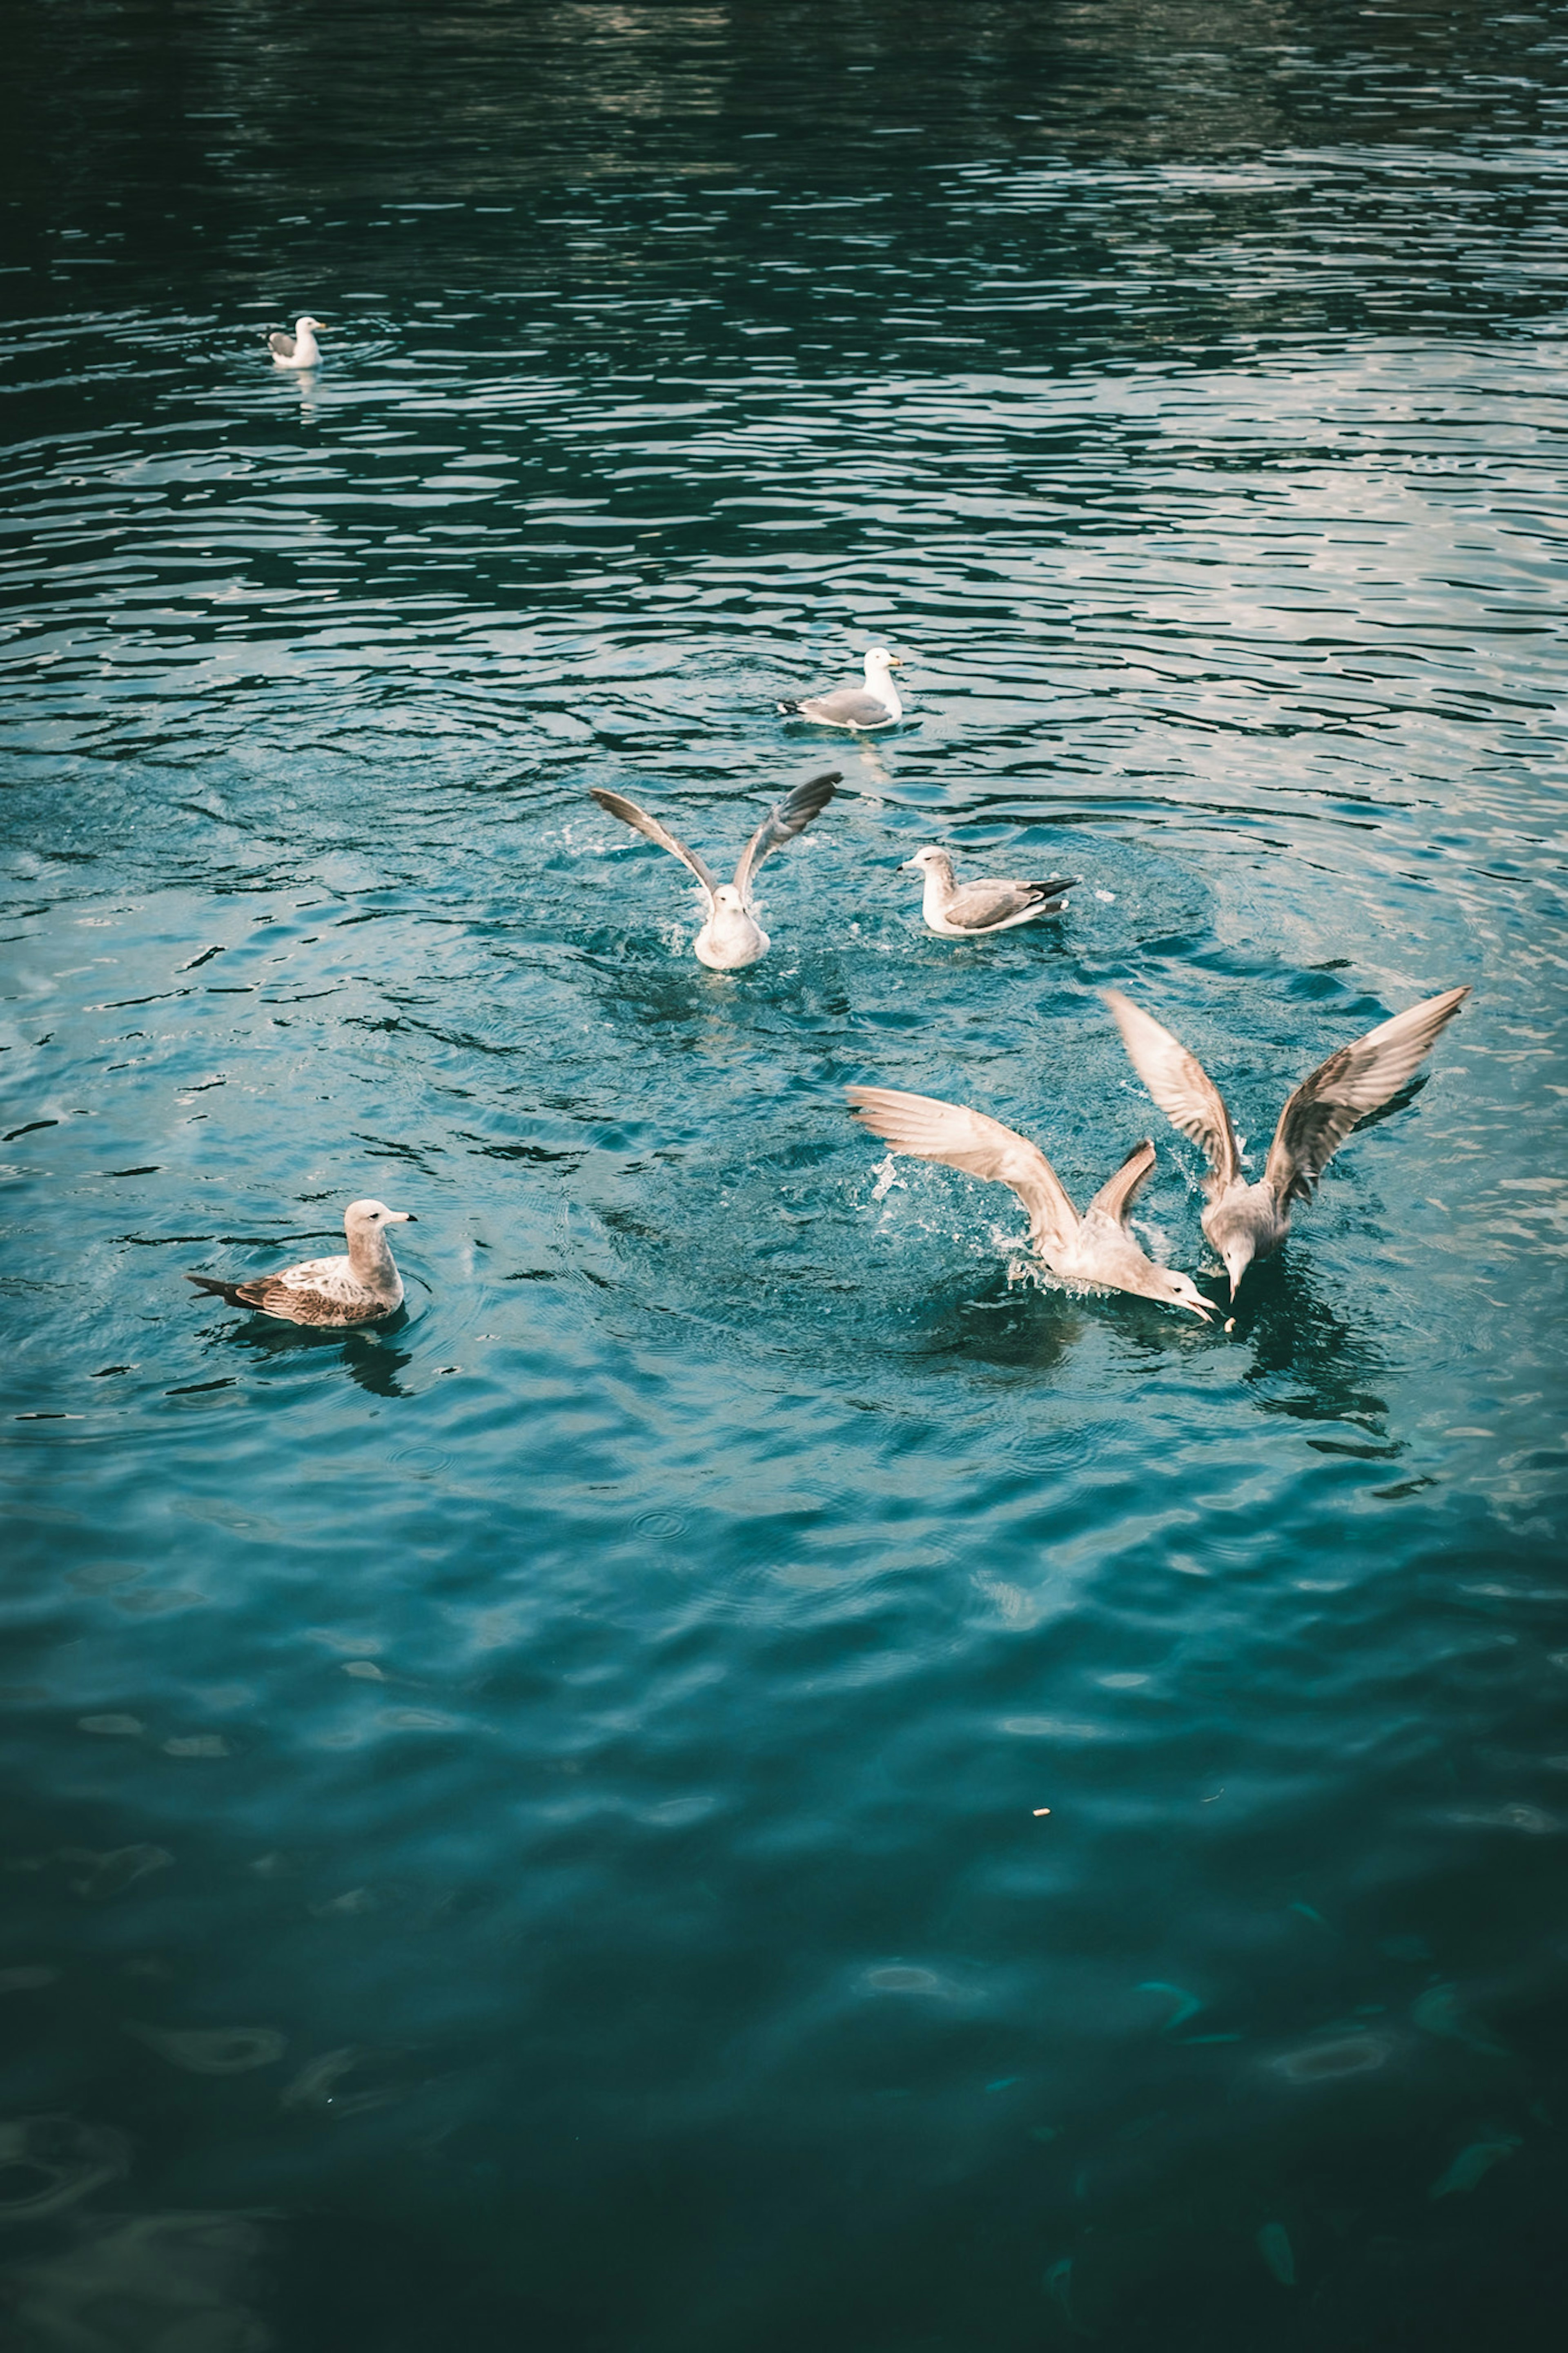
524,1827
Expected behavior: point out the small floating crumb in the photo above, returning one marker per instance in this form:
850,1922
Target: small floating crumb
1041,1810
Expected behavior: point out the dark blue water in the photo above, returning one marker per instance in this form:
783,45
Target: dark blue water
523,1827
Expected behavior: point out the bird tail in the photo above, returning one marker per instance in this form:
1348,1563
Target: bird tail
790,708
1054,890
217,1289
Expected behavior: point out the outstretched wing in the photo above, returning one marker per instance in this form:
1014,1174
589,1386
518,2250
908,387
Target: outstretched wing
651,831
1116,1194
933,1130
1181,1086
1342,1090
782,822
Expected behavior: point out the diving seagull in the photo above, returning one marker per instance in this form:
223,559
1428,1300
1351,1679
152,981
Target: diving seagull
1246,1222
858,708
298,350
969,911
1096,1248
358,1289
732,936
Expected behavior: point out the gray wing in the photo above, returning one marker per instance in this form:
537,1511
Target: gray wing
1116,1194
1181,1086
281,344
782,822
933,1130
847,706
1342,1090
651,831
980,906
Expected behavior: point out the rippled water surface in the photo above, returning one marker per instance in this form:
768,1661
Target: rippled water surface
526,1828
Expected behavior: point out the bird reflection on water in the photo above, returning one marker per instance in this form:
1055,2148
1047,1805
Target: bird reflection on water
373,1360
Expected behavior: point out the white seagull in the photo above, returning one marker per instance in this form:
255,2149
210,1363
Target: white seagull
1246,1222
732,936
968,911
858,708
1096,1248
358,1289
298,350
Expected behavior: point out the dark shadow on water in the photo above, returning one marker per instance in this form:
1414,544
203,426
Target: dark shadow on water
1023,1323
1310,1359
370,1358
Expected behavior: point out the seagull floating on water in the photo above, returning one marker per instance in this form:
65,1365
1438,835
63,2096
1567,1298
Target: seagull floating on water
298,350
1096,1248
732,936
858,708
967,911
358,1289
1246,1222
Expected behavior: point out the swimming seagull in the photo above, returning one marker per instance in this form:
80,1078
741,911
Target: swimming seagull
731,935
1246,1222
358,1289
1096,1248
298,350
969,911
875,704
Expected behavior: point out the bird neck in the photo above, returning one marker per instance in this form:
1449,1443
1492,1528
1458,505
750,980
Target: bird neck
879,682
937,885
370,1256
305,345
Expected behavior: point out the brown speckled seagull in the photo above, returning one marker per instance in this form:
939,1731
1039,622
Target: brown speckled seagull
359,1289
1246,1222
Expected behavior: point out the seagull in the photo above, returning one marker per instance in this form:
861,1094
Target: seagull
297,350
875,704
1246,1222
359,1289
731,935
1096,1248
972,909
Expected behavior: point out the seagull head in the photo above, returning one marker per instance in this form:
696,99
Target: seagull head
370,1216
923,859
880,658
1181,1291
308,326
1237,1259
729,898
1237,1244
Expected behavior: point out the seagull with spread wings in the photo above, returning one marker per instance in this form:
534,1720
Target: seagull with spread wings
1246,1222
1096,1248
338,1292
730,936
